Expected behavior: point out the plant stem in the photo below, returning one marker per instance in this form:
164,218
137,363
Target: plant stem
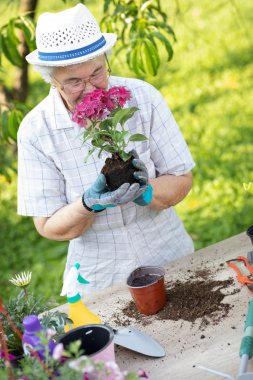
5,351
25,292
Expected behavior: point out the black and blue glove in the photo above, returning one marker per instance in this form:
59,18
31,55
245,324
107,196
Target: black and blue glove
142,177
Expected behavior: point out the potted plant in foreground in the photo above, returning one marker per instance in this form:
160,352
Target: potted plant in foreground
103,116
17,308
60,363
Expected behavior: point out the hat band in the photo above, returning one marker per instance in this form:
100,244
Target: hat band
73,53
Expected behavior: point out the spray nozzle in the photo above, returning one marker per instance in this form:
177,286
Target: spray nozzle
70,283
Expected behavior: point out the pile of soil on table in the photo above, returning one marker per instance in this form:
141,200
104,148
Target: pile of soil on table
198,296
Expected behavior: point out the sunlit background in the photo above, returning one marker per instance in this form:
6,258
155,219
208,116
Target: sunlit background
208,86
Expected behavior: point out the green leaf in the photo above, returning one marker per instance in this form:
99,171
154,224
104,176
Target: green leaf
136,63
159,11
123,33
133,29
110,148
88,133
4,125
106,124
86,136
123,115
138,137
11,52
124,134
128,57
1,47
163,26
27,25
89,154
112,113
11,35
165,42
117,136
149,57
14,120
97,141
146,5
22,107
106,5
125,156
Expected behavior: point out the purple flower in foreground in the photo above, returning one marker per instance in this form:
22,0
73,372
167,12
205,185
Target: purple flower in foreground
10,356
99,370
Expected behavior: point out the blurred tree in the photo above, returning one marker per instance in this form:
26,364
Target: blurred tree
17,38
141,25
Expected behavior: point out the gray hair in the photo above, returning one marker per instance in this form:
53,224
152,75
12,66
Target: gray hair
45,71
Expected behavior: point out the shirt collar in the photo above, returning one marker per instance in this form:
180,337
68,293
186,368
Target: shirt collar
59,116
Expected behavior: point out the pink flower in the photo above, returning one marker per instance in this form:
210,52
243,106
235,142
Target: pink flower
111,104
119,94
142,374
98,94
93,107
82,364
78,118
97,105
58,351
50,333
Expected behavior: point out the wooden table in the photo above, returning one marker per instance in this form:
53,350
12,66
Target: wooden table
185,348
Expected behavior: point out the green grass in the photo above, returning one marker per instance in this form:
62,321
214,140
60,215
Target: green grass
211,94
208,86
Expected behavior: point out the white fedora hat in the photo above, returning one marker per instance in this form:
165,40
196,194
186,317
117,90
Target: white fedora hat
69,37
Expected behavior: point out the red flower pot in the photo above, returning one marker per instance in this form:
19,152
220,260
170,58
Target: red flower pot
146,285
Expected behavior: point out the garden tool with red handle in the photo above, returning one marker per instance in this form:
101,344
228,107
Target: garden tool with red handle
243,279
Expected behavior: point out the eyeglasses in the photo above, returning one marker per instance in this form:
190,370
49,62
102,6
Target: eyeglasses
79,85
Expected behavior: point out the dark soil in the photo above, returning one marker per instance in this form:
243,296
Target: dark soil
192,300
117,172
147,279
188,300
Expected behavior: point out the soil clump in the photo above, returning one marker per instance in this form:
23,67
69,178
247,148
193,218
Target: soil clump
117,172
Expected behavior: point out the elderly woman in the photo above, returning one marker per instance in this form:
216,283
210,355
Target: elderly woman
67,197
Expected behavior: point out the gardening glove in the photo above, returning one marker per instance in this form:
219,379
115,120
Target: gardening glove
145,193
97,198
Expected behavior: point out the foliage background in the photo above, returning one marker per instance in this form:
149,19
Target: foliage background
209,87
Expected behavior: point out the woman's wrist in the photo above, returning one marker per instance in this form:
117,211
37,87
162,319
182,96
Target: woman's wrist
91,210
